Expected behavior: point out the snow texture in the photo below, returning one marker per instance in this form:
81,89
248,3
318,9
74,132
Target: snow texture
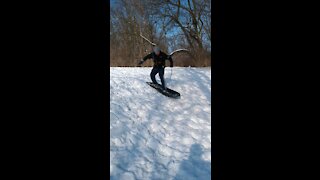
156,137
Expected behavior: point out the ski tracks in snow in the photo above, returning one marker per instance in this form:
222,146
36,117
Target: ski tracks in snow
156,137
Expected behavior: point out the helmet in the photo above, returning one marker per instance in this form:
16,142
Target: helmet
156,50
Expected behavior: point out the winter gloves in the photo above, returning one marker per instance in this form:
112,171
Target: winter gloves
141,61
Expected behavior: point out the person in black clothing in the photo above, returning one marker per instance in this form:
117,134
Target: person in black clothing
159,58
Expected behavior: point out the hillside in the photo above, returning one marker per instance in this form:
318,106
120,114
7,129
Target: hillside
156,137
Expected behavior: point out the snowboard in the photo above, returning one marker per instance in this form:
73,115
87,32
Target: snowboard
170,93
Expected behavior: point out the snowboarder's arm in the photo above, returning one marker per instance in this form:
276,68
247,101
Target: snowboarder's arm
145,58
149,56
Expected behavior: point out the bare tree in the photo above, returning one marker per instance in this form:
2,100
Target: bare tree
172,24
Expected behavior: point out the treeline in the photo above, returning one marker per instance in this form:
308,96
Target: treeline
168,23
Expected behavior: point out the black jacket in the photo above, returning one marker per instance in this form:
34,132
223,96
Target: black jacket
159,60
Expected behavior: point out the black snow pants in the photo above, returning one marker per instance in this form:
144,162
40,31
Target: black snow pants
155,71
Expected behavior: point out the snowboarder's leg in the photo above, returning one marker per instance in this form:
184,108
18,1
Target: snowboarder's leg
161,74
153,73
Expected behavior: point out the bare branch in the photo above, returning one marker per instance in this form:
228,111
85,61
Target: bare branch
153,44
178,50
179,5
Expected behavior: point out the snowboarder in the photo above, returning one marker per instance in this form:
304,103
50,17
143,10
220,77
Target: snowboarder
159,58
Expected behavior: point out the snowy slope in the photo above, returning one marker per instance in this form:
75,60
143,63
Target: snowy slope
156,137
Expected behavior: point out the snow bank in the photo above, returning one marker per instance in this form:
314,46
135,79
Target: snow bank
156,137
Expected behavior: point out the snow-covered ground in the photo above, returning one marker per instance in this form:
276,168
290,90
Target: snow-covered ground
156,137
